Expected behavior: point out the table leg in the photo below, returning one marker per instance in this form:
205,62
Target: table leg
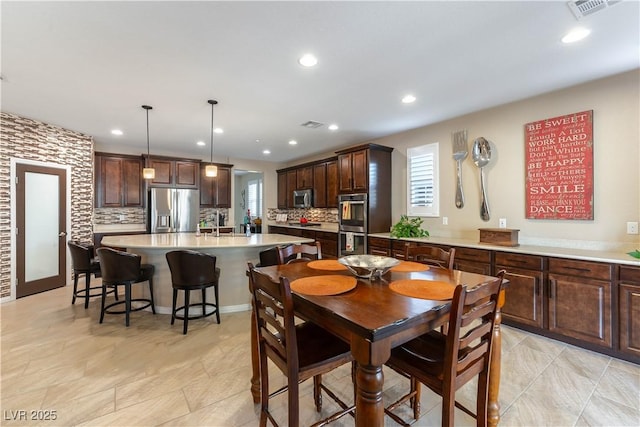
255,360
493,410
369,381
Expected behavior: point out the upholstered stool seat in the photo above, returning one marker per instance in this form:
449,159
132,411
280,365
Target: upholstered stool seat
124,269
83,263
191,270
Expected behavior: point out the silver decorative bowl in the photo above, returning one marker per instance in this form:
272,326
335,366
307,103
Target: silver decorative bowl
368,266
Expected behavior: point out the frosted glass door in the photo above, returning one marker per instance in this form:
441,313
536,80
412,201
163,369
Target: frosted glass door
41,225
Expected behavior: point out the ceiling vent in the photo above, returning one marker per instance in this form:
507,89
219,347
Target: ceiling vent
312,125
582,8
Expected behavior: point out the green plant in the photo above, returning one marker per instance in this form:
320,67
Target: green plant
635,254
408,227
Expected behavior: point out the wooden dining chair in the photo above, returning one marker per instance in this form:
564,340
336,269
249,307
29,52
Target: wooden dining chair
299,253
431,255
301,351
444,363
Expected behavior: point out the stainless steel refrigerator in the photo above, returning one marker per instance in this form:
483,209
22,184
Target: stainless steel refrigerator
173,210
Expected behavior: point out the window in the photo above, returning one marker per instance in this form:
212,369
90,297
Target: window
254,202
423,196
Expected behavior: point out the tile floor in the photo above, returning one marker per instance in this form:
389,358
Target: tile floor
57,359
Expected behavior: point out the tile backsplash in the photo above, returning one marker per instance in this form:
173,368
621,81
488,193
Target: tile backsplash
312,214
105,216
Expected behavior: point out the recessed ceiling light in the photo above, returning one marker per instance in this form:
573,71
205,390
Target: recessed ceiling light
218,130
116,132
308,60
333,127
575,35
266,152
293,142
408,99
200,143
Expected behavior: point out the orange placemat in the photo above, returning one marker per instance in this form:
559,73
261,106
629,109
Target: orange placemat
410,266
424,289
324,285
326,264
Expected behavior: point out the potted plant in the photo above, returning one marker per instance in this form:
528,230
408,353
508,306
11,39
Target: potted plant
408,227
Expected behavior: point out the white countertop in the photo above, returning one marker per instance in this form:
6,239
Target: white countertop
166,241
612,256
331,227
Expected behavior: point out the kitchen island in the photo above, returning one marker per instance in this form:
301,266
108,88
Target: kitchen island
232,252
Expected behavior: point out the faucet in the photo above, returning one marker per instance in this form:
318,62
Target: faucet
217,222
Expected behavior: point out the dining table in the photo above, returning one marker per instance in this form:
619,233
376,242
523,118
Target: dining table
374,317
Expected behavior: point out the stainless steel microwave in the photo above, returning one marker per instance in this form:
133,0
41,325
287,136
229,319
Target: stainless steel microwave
303,198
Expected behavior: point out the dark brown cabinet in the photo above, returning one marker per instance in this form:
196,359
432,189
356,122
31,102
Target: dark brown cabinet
325,184
304,178
629,323
118,181
332,184
283,194
473,260
580,300
525,293
378,246
328,240
216,192
353,171
292,185
181,173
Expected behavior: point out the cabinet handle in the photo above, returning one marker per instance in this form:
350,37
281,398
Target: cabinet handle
580,269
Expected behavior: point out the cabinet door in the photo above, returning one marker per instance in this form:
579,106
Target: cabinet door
629,306
360,170
132,183
580,308
304,178
320,185
379,246
208,186
223,190
283,195
332,184
344,172
473,260
523,296
329,242
164,172
109,183
292,178
187,174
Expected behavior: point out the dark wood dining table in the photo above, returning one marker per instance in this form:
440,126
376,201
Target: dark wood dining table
373,319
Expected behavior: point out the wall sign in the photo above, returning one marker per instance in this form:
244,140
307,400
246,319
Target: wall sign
559,167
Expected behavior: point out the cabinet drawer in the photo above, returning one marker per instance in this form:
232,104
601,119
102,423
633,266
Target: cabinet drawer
325,235
629,274
478,255
309,234
529,262
379,242
590,269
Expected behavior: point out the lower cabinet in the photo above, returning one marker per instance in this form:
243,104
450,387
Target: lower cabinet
525,294
379,246
580,303
629,310
473,260
328,240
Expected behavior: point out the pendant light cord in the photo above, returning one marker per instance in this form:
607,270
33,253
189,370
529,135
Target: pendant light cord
147,108
212,102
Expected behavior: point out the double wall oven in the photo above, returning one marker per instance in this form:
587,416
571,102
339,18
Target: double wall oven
352,214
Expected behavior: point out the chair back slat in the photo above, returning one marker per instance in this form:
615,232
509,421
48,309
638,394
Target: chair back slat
475,310
430,255
273,311
299,253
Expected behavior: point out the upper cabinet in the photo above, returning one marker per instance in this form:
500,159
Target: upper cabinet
118,181
325,188
320,176
181,173
283,195
363,168
216,192
304,178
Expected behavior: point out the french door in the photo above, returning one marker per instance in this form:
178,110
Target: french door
41,212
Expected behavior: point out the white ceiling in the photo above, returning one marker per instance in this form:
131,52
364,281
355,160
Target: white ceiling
89,66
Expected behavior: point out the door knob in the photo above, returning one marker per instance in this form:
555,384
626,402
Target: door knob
62,234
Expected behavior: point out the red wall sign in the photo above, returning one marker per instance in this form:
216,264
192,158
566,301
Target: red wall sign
559,167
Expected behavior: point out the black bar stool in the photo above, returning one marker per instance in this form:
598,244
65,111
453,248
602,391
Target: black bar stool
124,269
83,262
191,270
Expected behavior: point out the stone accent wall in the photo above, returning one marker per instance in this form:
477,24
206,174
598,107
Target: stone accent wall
23,138
312,214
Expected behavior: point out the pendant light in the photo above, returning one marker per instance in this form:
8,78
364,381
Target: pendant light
147,172
211,170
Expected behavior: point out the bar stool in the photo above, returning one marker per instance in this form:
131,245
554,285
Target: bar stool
191,270
83,262
124,269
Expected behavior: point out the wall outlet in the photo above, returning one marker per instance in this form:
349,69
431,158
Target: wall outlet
503,222
632,228
445,220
